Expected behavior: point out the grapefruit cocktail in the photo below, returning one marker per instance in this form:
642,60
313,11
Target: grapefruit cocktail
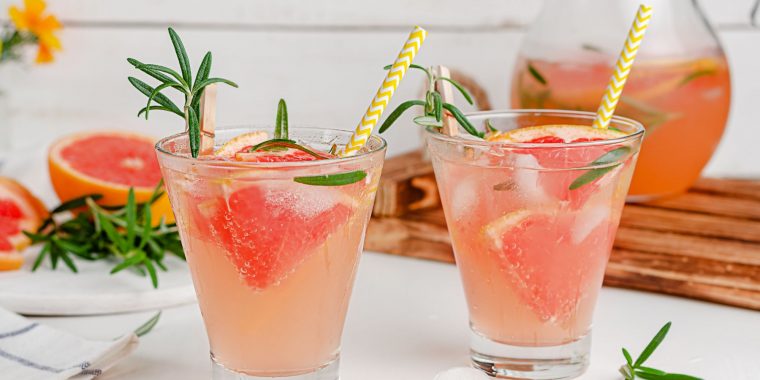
272,235
681,103
532,211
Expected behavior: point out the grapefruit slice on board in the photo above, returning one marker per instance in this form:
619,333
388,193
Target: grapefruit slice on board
551,259
19,211
562,162
269,228
107,163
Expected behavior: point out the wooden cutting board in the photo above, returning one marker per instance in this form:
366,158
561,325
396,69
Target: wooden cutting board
703,244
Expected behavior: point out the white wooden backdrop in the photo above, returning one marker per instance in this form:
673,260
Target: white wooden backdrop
324,57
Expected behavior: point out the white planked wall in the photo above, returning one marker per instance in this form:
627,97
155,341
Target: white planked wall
324,57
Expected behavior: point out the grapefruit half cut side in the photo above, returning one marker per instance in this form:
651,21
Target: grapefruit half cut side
19,211
107,163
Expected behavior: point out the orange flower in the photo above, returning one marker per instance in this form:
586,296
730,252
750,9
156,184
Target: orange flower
42,26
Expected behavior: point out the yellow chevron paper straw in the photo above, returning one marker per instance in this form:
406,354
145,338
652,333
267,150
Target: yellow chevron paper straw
385,92
623,67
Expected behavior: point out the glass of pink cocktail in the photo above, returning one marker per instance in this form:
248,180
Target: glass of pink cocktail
272,246
532,211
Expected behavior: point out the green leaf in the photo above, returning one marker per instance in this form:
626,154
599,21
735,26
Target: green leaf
44,252
75,203
653,344
437,106
628,358
204,70
153,94
147,228
160,98
490,127
267,145
68,262
148,325
412,66
111,232
696,74
593,174
664,376
152,272
134,259
209,81
281,122
653,371
536,74
184,62
333,179
398,112
461,119
462,90
181,82
427,121
193,131
151,108
131,217
155,74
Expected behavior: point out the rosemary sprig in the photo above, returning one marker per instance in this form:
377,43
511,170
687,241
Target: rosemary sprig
536,74
282,141
433,106
633,370
182,82
123,234
607,158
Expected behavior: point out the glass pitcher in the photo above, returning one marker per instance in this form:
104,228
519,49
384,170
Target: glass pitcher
679,87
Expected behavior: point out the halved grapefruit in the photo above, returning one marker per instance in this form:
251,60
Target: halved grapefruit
107,163
19,211
551,259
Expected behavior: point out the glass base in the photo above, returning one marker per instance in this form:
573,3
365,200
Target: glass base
505,361
327,372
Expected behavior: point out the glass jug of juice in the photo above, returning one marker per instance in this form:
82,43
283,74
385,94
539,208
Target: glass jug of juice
679,87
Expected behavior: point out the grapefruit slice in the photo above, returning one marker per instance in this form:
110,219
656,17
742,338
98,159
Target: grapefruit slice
269,228
107,163
552,260
241,143
562,158
19,211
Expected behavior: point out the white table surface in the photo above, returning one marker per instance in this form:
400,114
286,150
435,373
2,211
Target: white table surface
408,321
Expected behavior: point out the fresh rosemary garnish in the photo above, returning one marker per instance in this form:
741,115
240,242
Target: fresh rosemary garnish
607,158
633,370
192,90
95,233
434,106
536,74
282,142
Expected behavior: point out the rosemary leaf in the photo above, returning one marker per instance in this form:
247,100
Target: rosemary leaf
333,179
184,62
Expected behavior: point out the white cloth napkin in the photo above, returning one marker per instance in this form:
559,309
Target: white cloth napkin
31,351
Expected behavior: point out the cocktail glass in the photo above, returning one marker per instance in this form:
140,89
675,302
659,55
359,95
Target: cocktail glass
532,251
272,259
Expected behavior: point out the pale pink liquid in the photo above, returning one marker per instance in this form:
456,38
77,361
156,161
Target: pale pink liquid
290,323
532,254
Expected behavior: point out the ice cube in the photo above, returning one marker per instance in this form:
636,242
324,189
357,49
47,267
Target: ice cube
307,201
464,197
588,219
526,176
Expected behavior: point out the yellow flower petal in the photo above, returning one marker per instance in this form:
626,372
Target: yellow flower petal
18,18
34,8
44,55
49,23
50,41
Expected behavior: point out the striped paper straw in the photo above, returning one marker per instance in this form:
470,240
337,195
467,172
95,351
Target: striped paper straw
623,67
385,92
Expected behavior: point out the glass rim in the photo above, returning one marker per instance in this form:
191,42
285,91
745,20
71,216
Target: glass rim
639,129
383,145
